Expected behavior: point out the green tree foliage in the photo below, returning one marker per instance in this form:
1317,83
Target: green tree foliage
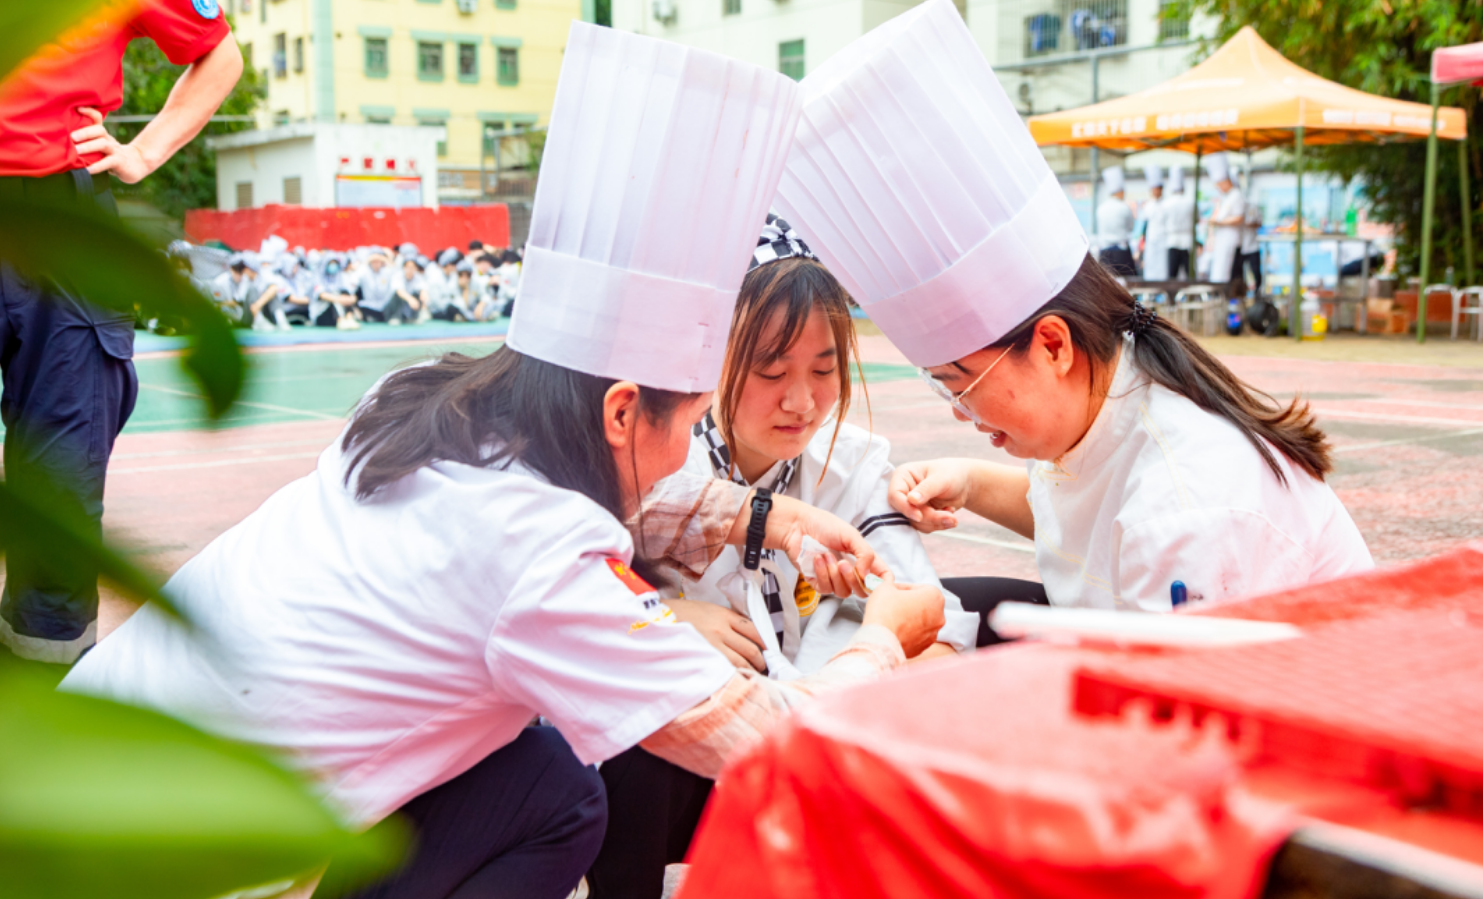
1382,47
188,180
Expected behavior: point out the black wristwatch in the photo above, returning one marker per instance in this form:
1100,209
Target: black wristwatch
757,528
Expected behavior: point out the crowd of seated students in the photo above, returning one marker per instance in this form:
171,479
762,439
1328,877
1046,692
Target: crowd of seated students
277,286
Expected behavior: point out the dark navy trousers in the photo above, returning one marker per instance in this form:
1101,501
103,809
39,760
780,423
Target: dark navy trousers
525,823
69,387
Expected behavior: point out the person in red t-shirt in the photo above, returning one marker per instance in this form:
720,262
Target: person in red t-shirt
69,382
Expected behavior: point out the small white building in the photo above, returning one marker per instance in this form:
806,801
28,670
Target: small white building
327,164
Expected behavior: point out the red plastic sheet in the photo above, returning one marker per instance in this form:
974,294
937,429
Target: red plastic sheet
976,779
334,228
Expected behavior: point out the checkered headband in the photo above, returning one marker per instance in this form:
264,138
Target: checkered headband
778,241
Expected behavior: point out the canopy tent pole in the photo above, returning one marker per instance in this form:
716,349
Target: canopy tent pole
1295,295
1096,156
1194,228
1428,203
1467,211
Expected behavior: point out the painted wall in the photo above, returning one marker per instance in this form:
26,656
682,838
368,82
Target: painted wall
316,153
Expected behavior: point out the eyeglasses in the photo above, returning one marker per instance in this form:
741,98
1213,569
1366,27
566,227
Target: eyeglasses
956,399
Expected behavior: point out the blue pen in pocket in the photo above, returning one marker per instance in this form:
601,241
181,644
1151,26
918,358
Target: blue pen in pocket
1178,594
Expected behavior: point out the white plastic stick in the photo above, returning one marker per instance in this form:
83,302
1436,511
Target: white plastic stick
1021,619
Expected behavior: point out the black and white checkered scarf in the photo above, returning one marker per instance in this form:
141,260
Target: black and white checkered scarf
778,241
720,456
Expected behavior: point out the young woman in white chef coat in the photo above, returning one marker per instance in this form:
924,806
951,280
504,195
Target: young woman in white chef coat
1148,461
458,563
1149,465
776,422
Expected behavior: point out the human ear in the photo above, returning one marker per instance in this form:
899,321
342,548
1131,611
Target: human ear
1053,340
620,411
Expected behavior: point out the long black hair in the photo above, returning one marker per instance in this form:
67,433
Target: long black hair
487,411
1098,310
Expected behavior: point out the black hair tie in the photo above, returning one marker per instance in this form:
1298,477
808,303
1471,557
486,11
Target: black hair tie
1143,317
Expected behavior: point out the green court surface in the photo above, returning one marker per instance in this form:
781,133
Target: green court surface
308,384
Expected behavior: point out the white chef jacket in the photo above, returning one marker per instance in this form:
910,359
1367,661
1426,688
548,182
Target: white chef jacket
386,647
1179,220
1114,223
1253,226
1155,240
1225,240
1159,490
854,489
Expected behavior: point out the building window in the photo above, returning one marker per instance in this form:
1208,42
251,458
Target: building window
790,59
280,55
1042,34
378,120
508,72
437,123
730,7
376,66
293,191
244,194
298,54
1173,20
280,117
492,130
429,61
1099,23
504,4
468,62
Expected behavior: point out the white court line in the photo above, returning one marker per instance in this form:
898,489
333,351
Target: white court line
220,449
1402,442
1380,416
217,464
268,406
987,541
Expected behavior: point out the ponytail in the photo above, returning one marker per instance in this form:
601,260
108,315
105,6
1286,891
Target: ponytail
1098,310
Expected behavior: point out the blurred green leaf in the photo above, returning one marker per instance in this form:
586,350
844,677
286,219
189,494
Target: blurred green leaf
99,799
27,24
95,257
33,527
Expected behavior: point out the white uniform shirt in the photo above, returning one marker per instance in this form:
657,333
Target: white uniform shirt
1179,220
412,288
1155,240
854,489
1160,490
386,647
376,288
1253,227
1225,240
1114,223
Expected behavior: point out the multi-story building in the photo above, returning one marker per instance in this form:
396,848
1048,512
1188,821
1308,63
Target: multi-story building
478,68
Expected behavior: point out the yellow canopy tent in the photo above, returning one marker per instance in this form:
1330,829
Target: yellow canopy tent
1245,96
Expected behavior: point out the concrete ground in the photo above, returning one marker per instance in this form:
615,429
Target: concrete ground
1406,423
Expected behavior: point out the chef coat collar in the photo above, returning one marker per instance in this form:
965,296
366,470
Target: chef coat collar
1117,417
780,475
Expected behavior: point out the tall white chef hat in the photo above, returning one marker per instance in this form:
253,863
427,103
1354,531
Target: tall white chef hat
1218,167
920,188
1154,176
1113,178
1176,181
658,172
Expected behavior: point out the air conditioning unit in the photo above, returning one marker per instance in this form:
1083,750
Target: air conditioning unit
665,11
468,7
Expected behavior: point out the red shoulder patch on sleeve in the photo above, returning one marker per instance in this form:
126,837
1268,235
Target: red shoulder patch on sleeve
630,579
